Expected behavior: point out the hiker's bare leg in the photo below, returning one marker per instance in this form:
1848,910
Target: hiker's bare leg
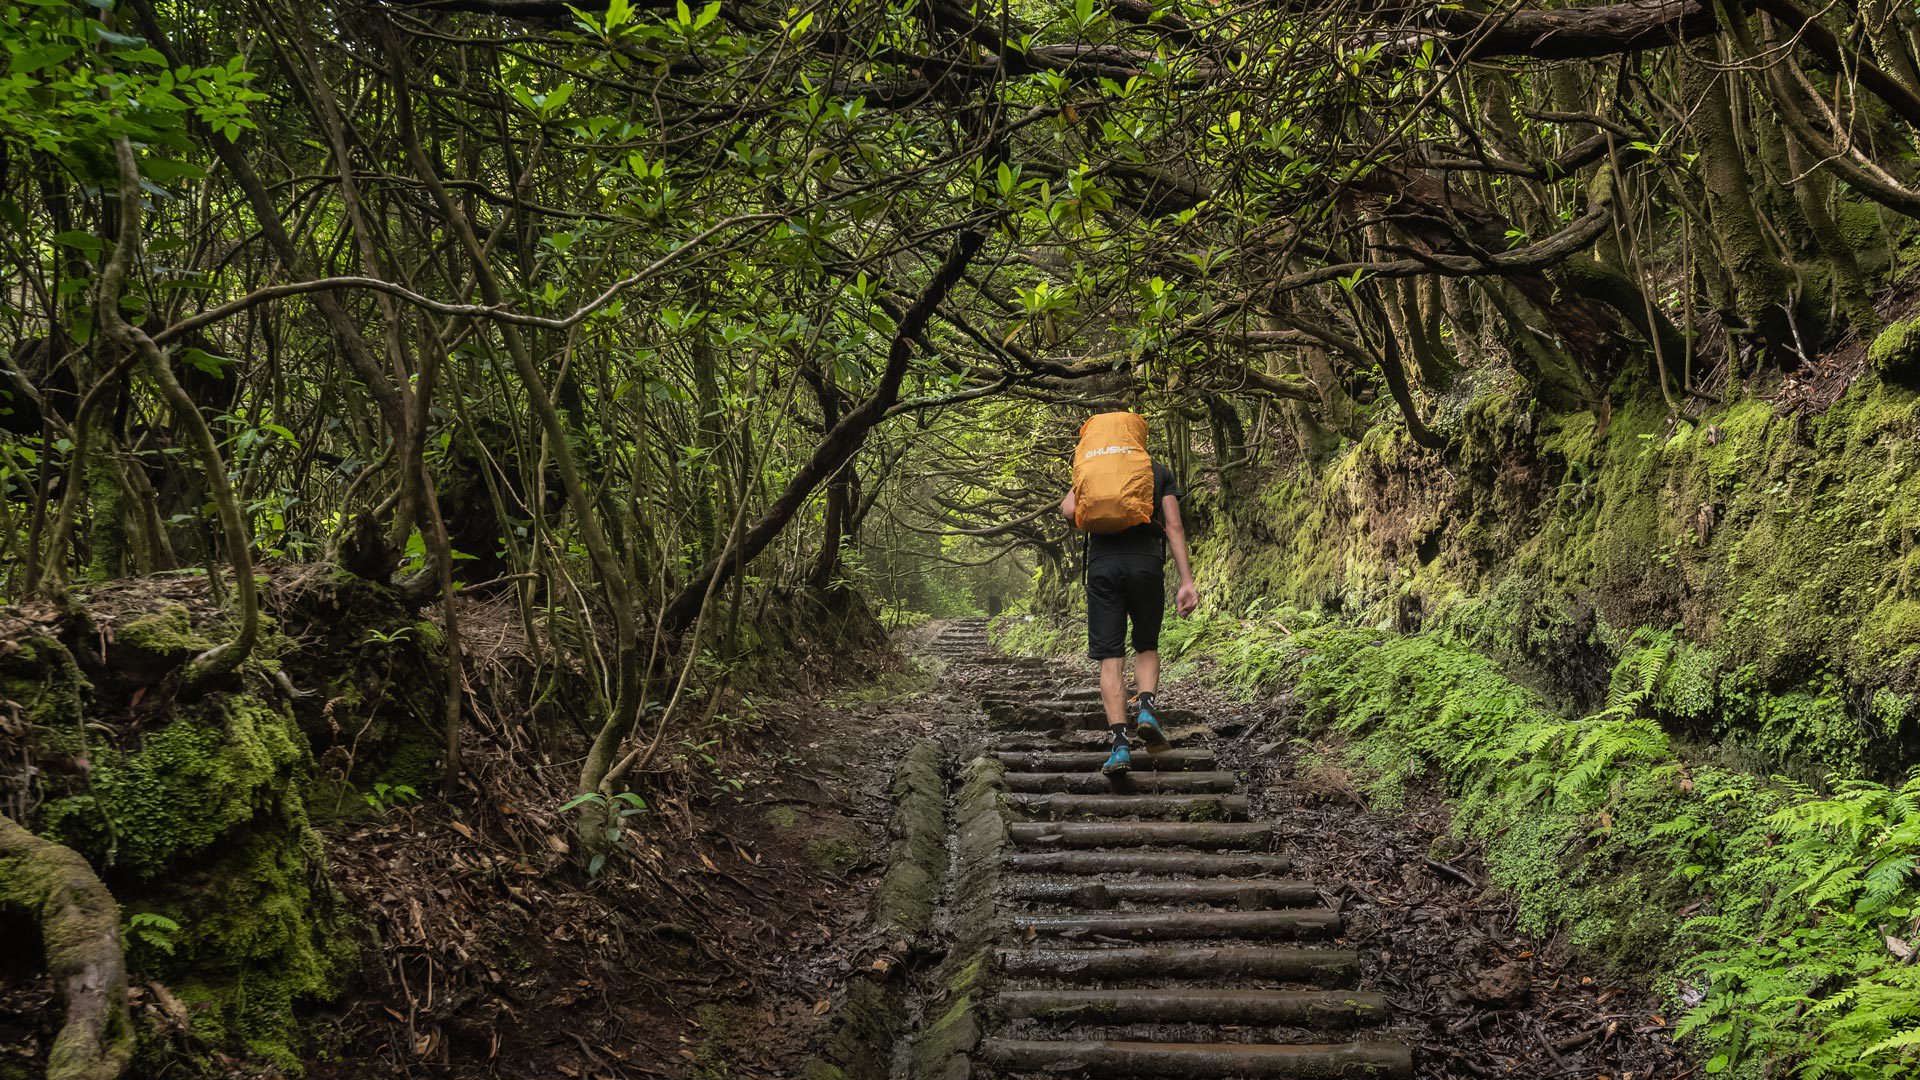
1146,672
1113,689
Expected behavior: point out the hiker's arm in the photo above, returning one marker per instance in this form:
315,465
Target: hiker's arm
1188,597
1068,505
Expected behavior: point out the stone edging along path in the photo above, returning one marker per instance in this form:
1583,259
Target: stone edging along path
1144,926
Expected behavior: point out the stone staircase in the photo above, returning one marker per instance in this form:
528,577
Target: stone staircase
1148,925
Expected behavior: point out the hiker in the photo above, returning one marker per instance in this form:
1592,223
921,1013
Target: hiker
1129,507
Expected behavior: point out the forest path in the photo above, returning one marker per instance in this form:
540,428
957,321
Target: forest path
1147,924
1239,906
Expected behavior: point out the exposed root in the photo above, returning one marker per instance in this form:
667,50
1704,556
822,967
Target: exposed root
80,926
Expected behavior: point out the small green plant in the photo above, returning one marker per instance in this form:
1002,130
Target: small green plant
384,797
376,637
615,811
153,931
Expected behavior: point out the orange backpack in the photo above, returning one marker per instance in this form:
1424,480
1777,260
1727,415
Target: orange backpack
1112,474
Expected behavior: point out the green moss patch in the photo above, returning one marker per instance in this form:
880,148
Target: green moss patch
198,816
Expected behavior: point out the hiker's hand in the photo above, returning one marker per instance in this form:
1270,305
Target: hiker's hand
1186,599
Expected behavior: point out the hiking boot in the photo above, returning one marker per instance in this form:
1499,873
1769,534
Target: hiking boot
1120,762
1147,726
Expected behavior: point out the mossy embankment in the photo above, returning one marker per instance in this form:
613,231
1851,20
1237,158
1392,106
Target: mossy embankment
1776,918
1785,546
198,809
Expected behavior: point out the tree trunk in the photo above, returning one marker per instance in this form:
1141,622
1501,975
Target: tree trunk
1760,282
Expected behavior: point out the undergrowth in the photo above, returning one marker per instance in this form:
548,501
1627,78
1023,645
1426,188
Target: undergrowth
1777,916
1036,635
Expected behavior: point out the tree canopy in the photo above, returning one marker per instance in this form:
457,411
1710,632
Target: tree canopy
630,309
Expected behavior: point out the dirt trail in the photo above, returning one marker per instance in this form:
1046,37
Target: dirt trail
1161,924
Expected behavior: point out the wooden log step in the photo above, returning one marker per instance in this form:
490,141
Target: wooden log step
1092,782
1089,762
1321,967
1031,742
1063,706
1246,894
1093,834
1188,807
1287,925
1294,1008
1184,863
1002,714
1267,1061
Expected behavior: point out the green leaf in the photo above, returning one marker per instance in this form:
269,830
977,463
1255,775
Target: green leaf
111,38
80,241
44,56
206,361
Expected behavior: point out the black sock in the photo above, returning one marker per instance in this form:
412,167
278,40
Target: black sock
1119,734
1146,700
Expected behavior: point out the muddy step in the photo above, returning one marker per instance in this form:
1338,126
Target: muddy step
1248,895
1287,925
1182,863
1322,967
1092,782
1094,834
1042,688
1001,714
1294,1008
1188,807
1089,762
1050,741
1269,1061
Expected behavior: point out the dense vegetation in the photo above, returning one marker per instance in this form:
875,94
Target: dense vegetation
670,328
1785,909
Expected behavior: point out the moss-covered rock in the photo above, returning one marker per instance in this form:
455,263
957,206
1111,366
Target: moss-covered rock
1895,353
834,854
911,886
159,642
185,787
196,813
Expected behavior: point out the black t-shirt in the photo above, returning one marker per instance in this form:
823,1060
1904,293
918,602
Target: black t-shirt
1148,539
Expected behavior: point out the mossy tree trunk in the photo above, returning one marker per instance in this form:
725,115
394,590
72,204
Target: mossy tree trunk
1760,281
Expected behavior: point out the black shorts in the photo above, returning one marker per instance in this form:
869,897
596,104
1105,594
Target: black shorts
1122,589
